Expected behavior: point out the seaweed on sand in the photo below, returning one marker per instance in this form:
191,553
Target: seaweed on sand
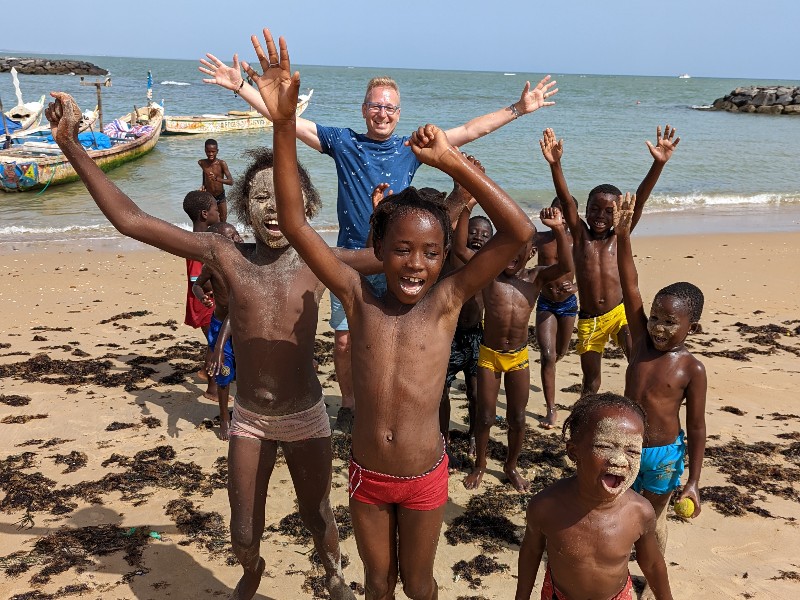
484,521
15,400
76,547
126,315
478,567
21,419
74,460
205,529
74,589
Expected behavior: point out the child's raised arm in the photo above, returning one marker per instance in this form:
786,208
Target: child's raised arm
661,153
628,277
123,213
552,150
461,234
279,88
552,218
513,227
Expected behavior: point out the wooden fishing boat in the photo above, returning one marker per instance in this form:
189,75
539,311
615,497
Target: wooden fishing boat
23,117
88,120
219,123
36,165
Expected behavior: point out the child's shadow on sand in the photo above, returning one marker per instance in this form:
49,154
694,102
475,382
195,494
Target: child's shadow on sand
165,569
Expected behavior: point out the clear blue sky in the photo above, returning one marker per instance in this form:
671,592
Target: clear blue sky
631,37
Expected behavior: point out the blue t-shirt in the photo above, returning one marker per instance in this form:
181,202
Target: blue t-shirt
361,164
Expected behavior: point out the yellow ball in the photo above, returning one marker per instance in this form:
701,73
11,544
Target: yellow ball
684,508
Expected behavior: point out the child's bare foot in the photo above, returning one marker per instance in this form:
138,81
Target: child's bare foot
202,375
248,584
223,429
516,480
472,448
338,588
473,480
549,422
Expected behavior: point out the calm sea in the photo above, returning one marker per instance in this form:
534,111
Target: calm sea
730,173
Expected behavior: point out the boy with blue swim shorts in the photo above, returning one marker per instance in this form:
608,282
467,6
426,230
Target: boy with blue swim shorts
222,365
661,376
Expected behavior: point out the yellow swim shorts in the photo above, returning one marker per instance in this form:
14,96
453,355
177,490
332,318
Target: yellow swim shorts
594,332
503,362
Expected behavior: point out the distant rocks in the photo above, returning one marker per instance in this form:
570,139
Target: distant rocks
771,100
49,66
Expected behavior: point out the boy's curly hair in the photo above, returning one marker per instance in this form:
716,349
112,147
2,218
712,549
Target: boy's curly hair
196,202
409,200
263,158
576,423
687,292
603,188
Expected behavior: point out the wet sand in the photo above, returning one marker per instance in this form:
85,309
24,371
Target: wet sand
112,482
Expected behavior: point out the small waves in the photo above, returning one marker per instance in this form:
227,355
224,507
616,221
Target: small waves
701,199
168,82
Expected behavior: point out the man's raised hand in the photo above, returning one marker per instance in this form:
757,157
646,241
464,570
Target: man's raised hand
221,74
278,86
552,149
64,117
536,98
665,144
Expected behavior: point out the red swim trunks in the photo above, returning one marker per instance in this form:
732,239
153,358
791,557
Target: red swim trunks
420,492
197,313
551,592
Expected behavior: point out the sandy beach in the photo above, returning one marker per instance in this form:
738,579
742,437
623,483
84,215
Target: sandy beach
112,475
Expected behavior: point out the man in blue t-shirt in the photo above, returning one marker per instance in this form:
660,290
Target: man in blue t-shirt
365,160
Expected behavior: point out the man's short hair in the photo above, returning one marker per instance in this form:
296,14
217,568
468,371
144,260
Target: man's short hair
381,82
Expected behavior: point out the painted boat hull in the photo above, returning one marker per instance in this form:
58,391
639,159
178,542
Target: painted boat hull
27,170
233,121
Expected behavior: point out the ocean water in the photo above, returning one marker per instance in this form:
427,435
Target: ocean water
730,172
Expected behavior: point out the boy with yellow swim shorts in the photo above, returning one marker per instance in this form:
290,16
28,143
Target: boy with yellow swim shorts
594,250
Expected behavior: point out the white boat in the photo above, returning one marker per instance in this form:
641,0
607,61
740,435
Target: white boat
23,117
684,76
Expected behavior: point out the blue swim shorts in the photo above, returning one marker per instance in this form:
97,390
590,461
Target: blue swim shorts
565,308
228,372
338,320
661,467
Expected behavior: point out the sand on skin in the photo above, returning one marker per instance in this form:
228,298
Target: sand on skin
714,556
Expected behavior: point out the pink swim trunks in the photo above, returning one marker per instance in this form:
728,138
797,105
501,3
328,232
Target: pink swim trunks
305,425
551,592
420,492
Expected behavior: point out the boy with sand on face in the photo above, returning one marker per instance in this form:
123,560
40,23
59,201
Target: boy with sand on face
594,245
587,523
509,300
401,341
662,374
273,311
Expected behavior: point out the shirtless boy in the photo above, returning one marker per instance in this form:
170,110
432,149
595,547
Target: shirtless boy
601,315
556,310
222,366
398,470
587,523
661,374
215,176
273,310
509,300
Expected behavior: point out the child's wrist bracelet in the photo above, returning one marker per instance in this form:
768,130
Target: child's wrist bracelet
239,89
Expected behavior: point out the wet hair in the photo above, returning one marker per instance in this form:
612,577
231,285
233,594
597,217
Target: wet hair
196,202
483,218
380,82
580,417
211,142
410,200
687,292
263,158
604,188
221,228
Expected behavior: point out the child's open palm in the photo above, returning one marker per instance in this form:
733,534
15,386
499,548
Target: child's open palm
623,214
552,149
665,145
277,85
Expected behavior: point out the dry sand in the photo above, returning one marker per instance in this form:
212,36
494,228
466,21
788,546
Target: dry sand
65,303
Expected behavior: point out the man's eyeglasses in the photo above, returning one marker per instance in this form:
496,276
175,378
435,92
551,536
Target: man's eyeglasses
376,107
